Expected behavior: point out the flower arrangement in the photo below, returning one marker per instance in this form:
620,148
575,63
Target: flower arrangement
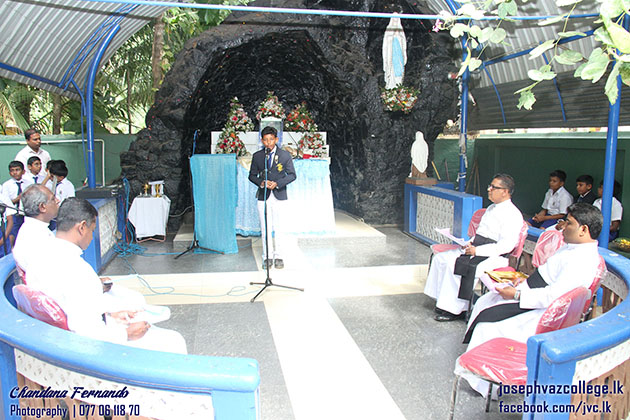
238,118
314,142
270,107
300,119
400,98
238,122
229,142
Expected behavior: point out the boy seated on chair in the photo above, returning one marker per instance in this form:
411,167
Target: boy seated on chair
554,206
453,274
514,311
616,211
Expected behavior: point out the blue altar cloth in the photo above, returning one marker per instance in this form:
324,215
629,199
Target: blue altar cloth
310,201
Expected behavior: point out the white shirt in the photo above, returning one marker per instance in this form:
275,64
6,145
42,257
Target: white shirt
572,266
557,203
617,208
31,242
65,276
8,211
503,223
10,189
27,152
63,190
31,177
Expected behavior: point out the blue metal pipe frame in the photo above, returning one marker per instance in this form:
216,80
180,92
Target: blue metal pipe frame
89,102
611,157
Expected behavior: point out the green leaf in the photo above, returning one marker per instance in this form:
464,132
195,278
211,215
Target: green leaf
469,9
611,89
498,35
473,43
539,50
563,3
610,9
475,63
551,20
465,63
578,71
620,37
570,34
596,66
543,73
601,35
474,31
624,71
569,57
526,100
508,8
486,33
530,87
458,30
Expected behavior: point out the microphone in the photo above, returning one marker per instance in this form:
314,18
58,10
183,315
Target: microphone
267,150
18,211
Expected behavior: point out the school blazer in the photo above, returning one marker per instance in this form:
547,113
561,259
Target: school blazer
281,171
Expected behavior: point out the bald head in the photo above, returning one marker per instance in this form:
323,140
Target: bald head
40,203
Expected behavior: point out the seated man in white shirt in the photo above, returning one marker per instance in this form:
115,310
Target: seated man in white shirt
514,312
66,277
41,206
453,274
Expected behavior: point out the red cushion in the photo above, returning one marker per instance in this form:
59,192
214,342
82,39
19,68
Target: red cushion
40,306
499,360
437,248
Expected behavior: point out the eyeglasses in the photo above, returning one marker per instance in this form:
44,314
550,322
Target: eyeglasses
494,187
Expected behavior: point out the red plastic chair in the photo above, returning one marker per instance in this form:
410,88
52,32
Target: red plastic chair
39,306
472,229
518,249
546,245
588,307
503,360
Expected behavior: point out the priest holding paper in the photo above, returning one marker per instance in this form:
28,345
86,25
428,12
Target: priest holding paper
453,274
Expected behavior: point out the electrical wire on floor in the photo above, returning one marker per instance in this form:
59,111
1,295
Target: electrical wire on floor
155,291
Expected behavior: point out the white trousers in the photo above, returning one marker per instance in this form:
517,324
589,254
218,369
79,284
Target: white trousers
160,339
443,285
275,216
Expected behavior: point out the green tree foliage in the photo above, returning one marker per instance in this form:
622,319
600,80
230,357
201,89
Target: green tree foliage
613,52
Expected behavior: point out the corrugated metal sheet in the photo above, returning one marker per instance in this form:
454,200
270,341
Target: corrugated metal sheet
527,34
43,37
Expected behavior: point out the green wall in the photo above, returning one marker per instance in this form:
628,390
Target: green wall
447,149
72,154
530,157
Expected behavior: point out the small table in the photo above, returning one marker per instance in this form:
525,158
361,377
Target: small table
149,216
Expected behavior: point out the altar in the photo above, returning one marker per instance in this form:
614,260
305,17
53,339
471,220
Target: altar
310,209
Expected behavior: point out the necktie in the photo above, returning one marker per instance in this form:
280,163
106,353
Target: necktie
269,160
35,179
19,185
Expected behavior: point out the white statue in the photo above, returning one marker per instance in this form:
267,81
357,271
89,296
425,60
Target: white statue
419,156
394,53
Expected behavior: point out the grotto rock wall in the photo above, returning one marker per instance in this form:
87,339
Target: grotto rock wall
332,63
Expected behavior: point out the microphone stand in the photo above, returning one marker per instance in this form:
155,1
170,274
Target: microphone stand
268,281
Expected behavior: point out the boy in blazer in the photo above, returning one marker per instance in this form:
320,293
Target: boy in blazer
280,172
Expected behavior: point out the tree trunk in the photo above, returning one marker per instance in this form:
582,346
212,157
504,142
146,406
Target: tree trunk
158,52
56,113
24,107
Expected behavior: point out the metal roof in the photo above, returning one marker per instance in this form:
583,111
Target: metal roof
50,43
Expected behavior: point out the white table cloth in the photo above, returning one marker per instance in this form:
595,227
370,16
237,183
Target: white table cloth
149,215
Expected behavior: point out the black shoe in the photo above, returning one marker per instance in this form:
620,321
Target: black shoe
447,316
439,311
278,263
267,263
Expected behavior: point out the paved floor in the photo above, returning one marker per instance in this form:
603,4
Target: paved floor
358,343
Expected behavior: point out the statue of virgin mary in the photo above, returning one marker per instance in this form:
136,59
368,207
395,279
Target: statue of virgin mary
394,53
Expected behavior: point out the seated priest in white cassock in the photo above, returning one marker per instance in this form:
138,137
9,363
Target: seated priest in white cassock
453,274
514,312
66,277
41,206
